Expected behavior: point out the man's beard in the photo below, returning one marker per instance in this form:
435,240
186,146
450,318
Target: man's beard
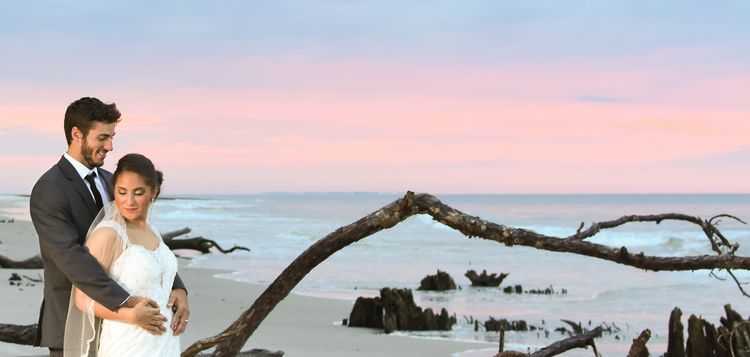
89,154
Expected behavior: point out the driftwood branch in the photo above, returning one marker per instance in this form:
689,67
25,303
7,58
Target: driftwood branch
24,335
18,334
34,262
738,283
575,326
171,235
200,244
582,340
230,341
578,341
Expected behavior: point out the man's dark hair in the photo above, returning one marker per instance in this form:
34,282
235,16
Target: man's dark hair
84,112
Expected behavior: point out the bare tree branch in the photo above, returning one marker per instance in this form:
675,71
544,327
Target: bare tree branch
230,341
171,235
18,334
578,341
658,218
200,244
34,262
739,284
719,235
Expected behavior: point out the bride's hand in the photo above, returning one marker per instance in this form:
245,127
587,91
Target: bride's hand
145,314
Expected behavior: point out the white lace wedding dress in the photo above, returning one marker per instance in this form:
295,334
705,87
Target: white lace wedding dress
141,272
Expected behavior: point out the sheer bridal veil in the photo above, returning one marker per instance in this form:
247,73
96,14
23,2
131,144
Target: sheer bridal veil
106,245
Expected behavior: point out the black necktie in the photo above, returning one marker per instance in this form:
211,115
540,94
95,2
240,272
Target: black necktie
97,196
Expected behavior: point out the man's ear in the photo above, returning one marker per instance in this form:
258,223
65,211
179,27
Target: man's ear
76,133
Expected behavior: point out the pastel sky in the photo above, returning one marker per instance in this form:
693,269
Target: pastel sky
431,96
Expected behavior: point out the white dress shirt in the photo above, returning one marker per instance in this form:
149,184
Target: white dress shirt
84,171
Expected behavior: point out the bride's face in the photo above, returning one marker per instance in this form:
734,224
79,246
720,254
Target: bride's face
132,196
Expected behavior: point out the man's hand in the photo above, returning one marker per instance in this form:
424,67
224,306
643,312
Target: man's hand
145,314
179,304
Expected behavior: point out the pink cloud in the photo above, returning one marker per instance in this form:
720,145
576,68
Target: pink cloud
348,125
38,119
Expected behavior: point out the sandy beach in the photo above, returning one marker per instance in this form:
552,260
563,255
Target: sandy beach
299,326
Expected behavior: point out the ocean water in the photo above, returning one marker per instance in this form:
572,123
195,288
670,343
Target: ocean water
279,227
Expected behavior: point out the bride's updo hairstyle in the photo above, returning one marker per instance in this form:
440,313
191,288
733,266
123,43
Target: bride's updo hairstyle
141,165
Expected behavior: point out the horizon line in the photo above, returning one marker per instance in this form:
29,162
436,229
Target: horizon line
183,195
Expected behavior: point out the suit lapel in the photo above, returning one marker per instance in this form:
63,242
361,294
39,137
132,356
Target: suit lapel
77,182
106,178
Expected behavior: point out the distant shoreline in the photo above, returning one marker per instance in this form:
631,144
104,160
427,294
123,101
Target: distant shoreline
203,196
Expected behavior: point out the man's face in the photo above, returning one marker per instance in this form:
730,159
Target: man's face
95,146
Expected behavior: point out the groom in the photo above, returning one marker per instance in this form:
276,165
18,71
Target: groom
63,205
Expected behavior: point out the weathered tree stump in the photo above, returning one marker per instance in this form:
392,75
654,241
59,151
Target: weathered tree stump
712,340
545,291
506,325
406,315
675,339
445,321
638,348
367,312
516,289
731,339
723,341
501,340
733,317
395,310
492,280
739,332
696,342
439,282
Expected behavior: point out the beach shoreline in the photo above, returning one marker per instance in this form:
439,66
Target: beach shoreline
299,325
278,228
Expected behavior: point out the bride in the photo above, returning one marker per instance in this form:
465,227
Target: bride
132,252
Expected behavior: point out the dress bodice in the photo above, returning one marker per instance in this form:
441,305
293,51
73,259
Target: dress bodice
142,272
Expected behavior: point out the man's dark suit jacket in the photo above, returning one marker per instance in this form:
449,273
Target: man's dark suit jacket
62,210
